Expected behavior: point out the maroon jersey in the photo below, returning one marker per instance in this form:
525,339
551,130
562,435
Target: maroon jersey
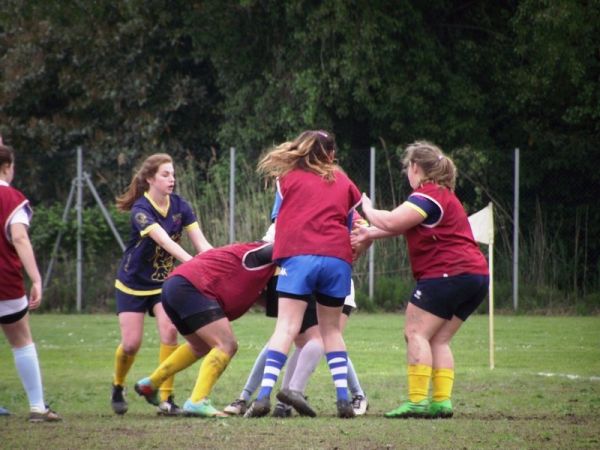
224,274
443,244
11,286
314,216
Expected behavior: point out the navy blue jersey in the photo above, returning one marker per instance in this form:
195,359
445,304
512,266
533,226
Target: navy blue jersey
145,265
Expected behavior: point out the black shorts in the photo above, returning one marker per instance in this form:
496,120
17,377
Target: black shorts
445,297
187,307
15,317
136,303
310,315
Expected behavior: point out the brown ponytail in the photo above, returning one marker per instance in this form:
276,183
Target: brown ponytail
138,184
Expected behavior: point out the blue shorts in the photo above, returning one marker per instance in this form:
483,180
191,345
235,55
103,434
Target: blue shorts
445,297
327,277
187,307
136,303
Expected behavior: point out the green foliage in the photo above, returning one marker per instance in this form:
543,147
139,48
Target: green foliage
101,254
390,294
127,79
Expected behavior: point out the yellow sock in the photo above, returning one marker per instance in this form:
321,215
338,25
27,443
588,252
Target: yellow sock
123,363
211,369
166,387
442,382
418,382
180,359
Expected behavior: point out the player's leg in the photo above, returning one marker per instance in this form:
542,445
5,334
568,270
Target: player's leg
168,344
239,406
15,326
289,320
183,357
218,336
420,326
131,310
132,328
333,286
294,290
335,353
283,409
467,292
443,369
310,351
360,403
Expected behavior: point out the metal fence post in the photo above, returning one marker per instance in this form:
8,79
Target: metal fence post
372,248
516,234
231,195
79,209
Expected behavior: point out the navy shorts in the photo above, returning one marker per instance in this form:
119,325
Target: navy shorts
136,303
187,307
445,297
310,315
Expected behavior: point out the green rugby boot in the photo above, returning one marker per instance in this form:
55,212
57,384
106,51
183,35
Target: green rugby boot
406,410
441,410
203,408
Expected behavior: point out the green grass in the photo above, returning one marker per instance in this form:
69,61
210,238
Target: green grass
512,406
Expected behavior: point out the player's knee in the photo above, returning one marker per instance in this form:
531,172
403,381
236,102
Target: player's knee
168,334
131,347
229,346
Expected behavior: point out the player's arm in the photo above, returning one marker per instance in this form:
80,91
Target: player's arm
160,236
199,242
22,244
358,247
395,222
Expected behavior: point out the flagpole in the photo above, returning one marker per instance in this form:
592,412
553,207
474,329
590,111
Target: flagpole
491,287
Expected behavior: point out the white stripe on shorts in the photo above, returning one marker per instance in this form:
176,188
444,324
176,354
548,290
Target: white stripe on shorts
8,307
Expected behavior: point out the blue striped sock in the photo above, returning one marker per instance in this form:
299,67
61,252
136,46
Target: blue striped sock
273,365
338,366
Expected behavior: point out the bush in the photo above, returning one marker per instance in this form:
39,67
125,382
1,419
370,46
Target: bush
101,255
389,294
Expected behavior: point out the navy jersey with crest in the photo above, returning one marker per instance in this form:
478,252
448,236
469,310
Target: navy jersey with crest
146,265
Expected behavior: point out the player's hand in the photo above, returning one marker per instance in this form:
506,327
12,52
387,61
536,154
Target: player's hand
35,295
360,237
366,203
359,249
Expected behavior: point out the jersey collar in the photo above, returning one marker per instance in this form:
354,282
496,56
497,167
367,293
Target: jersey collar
163,212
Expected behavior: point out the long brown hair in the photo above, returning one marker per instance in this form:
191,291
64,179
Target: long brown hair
7,154
138,184
436,166
312,151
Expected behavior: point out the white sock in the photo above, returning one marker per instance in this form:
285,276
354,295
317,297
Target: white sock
309,358
256,374
28,367
291,367
353,383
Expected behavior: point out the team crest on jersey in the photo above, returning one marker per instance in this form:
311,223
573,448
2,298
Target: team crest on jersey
283,272
177,218
141,219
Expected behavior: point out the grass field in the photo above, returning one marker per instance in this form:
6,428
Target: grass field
543,393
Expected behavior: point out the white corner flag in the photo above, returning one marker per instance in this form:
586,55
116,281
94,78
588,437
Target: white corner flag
482,224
